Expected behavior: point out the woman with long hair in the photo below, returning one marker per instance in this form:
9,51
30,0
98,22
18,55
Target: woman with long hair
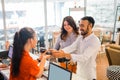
69,33
23,67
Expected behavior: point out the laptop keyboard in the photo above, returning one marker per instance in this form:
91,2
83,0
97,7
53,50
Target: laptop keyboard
45,73
6,61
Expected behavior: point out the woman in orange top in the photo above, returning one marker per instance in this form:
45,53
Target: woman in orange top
23,67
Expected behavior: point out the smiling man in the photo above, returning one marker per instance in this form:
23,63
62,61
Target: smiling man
83,51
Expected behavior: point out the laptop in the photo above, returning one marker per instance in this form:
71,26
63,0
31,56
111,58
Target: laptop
10,52
55,72
6,61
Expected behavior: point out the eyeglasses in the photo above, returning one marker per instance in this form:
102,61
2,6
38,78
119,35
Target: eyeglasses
82,25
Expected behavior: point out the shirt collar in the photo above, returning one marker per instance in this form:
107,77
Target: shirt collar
88,37
25,53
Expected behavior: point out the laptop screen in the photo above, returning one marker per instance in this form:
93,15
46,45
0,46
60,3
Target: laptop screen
10,52
58,73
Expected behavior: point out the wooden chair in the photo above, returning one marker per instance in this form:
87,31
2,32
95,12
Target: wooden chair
113,54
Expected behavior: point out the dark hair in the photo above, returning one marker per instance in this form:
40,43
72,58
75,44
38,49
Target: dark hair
90,19
20,39
72,23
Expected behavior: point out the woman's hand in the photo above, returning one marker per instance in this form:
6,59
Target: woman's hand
43,55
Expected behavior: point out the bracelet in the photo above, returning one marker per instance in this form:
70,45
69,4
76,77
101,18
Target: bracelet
38,60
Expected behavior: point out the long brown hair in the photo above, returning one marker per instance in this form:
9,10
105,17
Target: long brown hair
72,23
20,39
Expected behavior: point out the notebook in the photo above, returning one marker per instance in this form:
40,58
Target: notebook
10,52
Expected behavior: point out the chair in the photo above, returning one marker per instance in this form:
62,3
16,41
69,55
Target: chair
98,33
113,55
55,36
107,37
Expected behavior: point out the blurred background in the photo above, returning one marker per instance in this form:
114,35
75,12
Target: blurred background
45,17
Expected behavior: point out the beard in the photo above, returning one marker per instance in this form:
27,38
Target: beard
84,32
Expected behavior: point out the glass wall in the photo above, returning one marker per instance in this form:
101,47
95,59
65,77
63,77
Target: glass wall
20,14
31,13
1,27
102,11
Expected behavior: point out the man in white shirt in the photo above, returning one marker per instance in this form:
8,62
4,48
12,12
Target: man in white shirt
84,50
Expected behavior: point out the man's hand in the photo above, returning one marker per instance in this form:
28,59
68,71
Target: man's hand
60,54
57,54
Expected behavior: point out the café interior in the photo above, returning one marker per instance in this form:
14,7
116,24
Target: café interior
45,17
